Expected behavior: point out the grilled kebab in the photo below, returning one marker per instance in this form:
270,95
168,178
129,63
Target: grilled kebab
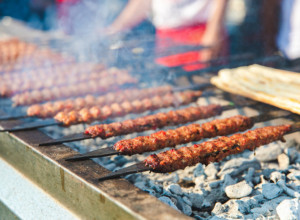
182,135
83,88
207,152
50,109
124,108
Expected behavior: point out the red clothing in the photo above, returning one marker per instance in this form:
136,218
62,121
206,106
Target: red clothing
191,36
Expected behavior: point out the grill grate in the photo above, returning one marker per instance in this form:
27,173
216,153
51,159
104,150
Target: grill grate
69,182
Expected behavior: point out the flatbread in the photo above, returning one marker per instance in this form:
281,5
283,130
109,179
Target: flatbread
272,86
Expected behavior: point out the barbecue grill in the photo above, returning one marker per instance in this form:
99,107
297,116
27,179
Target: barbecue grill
75,185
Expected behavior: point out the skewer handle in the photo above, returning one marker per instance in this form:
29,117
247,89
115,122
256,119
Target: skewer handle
295,128
135,168
269,116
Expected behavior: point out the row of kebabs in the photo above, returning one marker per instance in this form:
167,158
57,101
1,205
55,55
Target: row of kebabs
186,156
205,152
30,74
87,79
17,55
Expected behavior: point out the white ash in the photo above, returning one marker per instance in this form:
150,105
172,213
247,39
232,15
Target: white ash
200,191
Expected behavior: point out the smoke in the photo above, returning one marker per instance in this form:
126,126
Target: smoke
86,21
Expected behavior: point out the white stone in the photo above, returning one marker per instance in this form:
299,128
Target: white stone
283,161
268,153
211,170
238,190
289,209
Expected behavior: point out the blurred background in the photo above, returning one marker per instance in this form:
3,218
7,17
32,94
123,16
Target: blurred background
244,20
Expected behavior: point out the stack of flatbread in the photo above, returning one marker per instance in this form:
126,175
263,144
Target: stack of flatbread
272,86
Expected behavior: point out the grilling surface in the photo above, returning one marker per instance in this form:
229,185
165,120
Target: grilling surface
142,124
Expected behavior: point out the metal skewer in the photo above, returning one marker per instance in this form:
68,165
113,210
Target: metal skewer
33,125
82,136
12,117
135,168
175,89
109,151
141,167
51,122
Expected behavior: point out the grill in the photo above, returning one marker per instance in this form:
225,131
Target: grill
75,184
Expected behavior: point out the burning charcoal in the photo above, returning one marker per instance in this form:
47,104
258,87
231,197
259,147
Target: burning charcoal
276,176
260,211
175,188
259,198
238,190
292,153
238,206
199,181
206,204
287,190
215,184
271,190
228,181
249,175
238,165
187,201
199,170
267,172
168,201
196,199
294,175
185,208
110,166
250,201
155,187
141,185
289,209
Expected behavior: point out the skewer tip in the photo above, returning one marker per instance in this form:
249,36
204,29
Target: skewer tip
136,168
65,139
109,151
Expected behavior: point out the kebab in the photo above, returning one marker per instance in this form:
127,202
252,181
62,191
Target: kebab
150,122
13,49
52,108
44,72
28,64
181,135
8,89
136,106
83,88
207,152
115,110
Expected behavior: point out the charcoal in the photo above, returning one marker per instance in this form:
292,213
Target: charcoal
271,190
175,188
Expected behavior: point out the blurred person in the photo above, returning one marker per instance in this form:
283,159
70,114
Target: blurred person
289,33
84,16
179,23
